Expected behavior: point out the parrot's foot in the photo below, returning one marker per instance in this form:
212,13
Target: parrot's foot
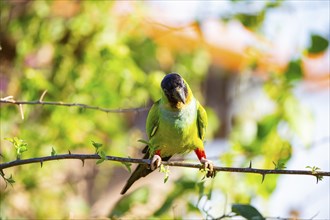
208,166
155,162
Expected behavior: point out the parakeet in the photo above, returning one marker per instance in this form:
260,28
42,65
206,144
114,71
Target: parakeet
176,124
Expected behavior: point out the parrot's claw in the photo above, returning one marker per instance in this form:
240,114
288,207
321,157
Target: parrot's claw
208,166
155,162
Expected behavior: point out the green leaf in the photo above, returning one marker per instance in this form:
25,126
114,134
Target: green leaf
10,140
166,178
20,145
144,141
151,148
53,153
204,172
127,165
166,171
10,180
247,211
294,71
318,44
22,148
319,178
279,165
314,169
103,157
99,161
97,146
252,21
193,208
266,125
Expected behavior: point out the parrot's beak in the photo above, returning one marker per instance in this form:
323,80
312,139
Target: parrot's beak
179,94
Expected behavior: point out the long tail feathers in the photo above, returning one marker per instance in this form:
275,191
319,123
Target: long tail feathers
141,170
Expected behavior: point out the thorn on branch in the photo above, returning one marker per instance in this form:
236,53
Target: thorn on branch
250,165
9,180
41,163
42,96
82,109
83,162
263,177
69,152
318,178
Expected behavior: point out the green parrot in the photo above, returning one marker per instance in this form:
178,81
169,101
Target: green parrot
176,124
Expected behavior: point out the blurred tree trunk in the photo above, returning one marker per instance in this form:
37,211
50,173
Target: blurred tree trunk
220,90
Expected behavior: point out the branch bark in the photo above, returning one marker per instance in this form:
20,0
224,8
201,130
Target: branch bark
40,102
84,157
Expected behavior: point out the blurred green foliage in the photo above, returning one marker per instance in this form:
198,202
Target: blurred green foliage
247,211
249,16
318,44
88,54
80,54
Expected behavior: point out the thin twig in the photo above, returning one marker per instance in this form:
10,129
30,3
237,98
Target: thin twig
21,111
168,163
7,100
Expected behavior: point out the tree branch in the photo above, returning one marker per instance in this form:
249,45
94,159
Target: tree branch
84,157
10,100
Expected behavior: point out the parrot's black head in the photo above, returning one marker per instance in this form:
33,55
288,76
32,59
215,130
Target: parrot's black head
175,88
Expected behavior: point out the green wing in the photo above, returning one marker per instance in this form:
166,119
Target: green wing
201,121
153,120
142,170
